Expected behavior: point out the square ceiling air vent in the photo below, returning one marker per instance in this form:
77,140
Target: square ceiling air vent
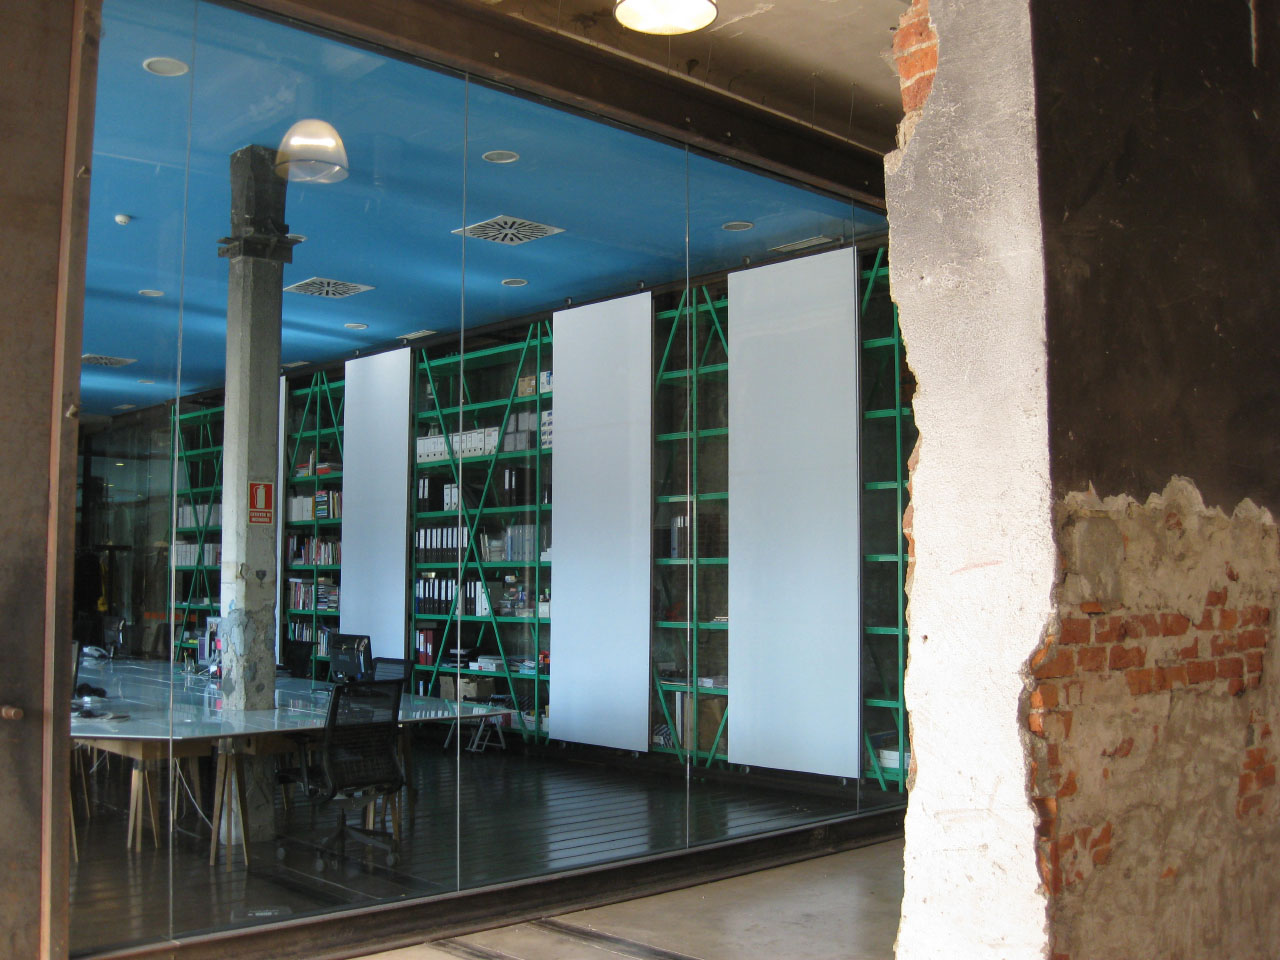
322,287
101,360
509,230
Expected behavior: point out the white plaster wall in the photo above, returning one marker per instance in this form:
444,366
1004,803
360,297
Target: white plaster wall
967,274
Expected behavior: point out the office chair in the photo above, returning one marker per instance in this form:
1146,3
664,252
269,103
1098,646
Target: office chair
391,668
348,657
358,764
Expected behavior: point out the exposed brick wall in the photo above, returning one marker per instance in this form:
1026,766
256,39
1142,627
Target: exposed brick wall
1150,709
915,55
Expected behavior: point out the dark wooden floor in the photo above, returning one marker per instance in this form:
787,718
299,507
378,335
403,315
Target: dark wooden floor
517,816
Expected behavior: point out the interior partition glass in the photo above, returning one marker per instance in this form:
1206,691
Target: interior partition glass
545,428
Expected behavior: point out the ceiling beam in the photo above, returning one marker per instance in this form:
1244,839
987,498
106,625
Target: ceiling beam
504,49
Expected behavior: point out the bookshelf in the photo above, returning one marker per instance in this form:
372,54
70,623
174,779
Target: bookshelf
197,535
479,543
888,436
690,630
311,546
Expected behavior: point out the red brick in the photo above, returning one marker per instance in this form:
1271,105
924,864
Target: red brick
1103,838
1206,620
1035,723
1068,787
918,62
1254,682
1227,619
1169,873
915,93
1092,659
913,34
1254,758
1174,624
1123,658
1091,607
1255,616
1121,749
1140,681
1253,661
1266,776
1251,639
1201,671
1053,755
1246,785
1044,697
1220,646
1249,803
1168,677
1190,652
1230,667
1101,856
1075,630
1150,624
1235,686
1108,631
1060,664
1216,598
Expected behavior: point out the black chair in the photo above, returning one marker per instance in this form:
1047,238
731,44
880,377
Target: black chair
359,764
348,657
391,668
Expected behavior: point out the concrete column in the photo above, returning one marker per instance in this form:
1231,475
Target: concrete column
258,249
967,272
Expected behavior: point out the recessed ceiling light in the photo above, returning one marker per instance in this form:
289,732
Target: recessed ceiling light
500,156
296,237
151,293
665,17
294,363
123,406
146,381
804,244
164,66
356,326
514,282
119,463
735,225
414,334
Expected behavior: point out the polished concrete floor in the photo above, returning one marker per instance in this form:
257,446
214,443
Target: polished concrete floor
839,907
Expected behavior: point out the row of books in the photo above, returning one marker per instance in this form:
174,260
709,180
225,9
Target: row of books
303,632
196,554
512,486
310,550
527,430
439,544
479,442
323,505
305,595
199,514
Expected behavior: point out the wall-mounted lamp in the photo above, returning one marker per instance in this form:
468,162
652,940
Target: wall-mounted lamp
312,152
665,17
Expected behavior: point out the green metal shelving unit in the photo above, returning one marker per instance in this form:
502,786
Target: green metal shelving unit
198,530
887,438
457,393
691,496
311,554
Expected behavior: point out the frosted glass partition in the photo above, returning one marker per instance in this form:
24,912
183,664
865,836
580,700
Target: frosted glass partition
375,504
793,532
600,525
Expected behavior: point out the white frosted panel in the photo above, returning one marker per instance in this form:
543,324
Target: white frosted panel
600,524
375,503
281,502
794,633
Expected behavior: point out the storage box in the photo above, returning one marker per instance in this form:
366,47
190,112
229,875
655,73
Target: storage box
527,386
475,688
448,690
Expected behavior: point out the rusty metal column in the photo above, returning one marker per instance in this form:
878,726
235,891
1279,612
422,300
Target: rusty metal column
258,249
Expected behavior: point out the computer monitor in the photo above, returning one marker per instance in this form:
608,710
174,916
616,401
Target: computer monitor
348,656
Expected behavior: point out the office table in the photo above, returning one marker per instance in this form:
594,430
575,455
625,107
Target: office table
154,710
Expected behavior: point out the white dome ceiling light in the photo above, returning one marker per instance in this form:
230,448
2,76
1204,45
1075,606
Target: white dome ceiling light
665,17
312,152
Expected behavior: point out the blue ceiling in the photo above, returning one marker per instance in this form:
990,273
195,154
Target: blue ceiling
414,137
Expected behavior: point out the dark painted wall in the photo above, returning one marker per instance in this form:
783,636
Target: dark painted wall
1160,188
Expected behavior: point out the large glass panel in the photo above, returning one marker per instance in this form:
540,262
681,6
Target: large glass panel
492,456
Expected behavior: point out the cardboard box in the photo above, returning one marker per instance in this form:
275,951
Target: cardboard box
448,690
475,688
527,386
